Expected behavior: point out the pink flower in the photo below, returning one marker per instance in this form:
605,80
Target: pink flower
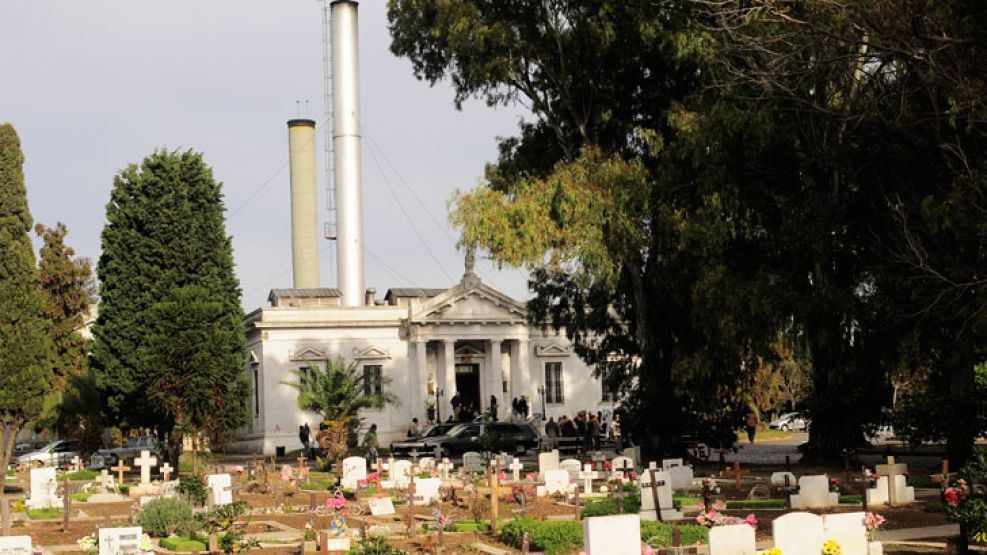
719,505
953,496
647,549
751,521
530,476
502,477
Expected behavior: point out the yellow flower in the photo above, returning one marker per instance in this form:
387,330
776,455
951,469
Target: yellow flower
832,548
772,551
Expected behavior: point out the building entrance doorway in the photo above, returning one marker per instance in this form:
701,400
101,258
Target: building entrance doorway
468,385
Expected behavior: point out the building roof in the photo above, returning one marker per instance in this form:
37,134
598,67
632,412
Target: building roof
322,292
414,292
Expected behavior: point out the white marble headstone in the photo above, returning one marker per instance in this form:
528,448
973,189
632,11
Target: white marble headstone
798,533
814,493
119,541
732,539
557,481
664,493
572,466
547,461
618,464
671,463
400,474
15,545
848,530
778,479
612,535
878,495
219,487
354,470
44,485
681,477
472,462
426,464
428,489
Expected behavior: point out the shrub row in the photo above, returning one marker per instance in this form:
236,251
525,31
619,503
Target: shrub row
565,536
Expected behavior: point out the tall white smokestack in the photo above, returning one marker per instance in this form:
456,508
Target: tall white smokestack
304,206
346,147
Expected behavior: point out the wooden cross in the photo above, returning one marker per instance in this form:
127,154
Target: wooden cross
788,497
654,491
525,543
66,503
234,489
301,464
575,498
250,470
737,473
494,493
516,467
623,467
120,469
891,470
166,471
619,494
409,499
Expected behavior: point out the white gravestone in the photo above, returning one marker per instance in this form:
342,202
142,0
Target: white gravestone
119,541
401,474
587,476
516,467
44,484
426,464
219,487
664,490
15,545
671,463
354,470
445,467
427,489
878,495
557,482
572,466
617,466
681,477
472,462
381,506
848,530
814,493
612,535
732,539
778,479
547,461
798,533
146,462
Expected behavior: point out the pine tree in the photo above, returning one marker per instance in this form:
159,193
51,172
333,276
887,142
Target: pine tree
165,232
24,376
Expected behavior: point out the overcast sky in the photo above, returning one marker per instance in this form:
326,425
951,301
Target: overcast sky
94,86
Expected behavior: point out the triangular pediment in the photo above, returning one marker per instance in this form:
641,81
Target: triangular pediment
553,350
468,350
477,304
369,353
308,353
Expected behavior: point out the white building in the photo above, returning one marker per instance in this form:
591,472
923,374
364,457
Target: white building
428,343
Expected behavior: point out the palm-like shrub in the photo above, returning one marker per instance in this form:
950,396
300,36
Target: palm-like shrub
338,393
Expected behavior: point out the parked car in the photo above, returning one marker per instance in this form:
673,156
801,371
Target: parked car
790,421
56,453
477,436
413,443
105,458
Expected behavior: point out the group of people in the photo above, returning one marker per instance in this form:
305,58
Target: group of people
467,411
321,446
591,427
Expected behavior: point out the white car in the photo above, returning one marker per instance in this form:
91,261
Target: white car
56,453
789,422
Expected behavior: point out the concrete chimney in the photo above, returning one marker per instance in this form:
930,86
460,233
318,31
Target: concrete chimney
346,150
304,205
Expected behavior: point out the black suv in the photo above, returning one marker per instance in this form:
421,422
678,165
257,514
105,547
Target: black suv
482,436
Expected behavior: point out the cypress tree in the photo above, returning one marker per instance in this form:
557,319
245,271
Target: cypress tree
24,374
165,232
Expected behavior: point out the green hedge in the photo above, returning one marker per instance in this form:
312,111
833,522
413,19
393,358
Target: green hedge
921,481
556,537
605,507
50,512
755,504
82,475
852,499
182,544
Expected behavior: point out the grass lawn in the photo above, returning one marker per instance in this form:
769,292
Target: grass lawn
81,496
319,485
82,475
50,512
183,544
764,435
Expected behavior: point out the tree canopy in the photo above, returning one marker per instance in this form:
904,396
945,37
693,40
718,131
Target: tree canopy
25,376
165,247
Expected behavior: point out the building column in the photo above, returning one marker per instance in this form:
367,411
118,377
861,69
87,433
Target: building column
529,382
419,380
495,377
448,382
516,386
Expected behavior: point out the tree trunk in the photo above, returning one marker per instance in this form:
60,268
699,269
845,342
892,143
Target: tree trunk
961,387
10,429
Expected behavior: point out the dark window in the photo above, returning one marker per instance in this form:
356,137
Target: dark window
256,392
610,394
554,387
372,379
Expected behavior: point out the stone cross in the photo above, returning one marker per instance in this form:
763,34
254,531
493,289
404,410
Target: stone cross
624,468
166,471
587,476
891,470
120,469
145,462
444,467
414,457
104,480
516,467
737,473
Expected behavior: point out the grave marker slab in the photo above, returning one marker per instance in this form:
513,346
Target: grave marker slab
220,489
798,533
119,541
848,530
572,466
381,506
44,485
427,490
472,462
681,477
354,470
732,539
547,461
663,489
556,482
401,474
671,463
621,466
612,535
814,493
15,545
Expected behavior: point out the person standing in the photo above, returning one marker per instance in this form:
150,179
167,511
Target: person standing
752,422
615,430
494,405
371,444
552,431
304,435
414,430
457,404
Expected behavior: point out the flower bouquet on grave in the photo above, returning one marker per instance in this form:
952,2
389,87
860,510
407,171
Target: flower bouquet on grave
832,548
89,544
370,484
713,516
873,522
835,485
146,546
36,547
